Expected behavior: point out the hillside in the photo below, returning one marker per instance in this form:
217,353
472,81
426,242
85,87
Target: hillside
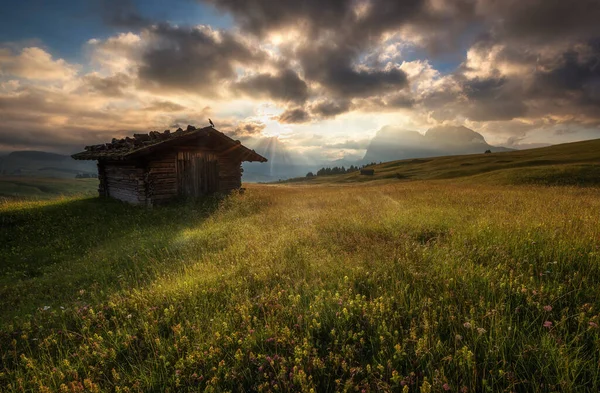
44,164
427,286
570,163
20,187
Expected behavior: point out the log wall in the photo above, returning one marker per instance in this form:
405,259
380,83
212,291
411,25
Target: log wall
102,191
157,179
161,177
125,181
230,173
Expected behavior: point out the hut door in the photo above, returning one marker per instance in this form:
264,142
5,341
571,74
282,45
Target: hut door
197,173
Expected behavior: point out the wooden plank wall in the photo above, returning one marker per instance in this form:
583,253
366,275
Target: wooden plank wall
161,176
197,173
125,181
102,189
170,174
230,173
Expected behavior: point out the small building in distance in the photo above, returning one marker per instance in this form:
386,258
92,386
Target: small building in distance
152,168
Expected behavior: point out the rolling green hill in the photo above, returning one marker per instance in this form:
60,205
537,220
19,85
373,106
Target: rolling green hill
44,164
575,163
19,187
455,284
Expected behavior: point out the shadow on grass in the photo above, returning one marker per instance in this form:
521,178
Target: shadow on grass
50,252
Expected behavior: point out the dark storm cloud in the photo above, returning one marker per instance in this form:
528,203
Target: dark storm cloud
328,109
332,68
502,81
165,106
400,101
543,20
246,129
111,86
285,86
575,72
261,16
194,59
348,34
294,115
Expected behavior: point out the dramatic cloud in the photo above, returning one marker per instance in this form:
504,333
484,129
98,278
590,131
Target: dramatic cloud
295,115
195,59
285,86
327,109
246,129
512,70
111,86
34,63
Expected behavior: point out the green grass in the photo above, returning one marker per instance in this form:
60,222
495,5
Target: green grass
468,273
384,286
575,163
15,187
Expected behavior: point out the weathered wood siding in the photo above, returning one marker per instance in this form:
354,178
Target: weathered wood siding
161,178
185,171
125,181
197,173
230,173
102,191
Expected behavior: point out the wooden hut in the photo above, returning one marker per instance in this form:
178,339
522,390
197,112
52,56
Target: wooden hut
152,168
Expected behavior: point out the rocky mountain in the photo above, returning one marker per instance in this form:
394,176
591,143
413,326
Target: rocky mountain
393,143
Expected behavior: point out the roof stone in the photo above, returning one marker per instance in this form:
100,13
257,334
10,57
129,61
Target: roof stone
121,148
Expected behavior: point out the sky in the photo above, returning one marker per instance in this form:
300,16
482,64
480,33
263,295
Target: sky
321,76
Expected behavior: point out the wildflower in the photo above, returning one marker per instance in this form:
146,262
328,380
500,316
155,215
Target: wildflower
446,386
548,324
467,325
46,308
593,324
548,308
458,337
481,330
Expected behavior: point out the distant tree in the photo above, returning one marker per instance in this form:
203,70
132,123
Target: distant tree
310,174
488,151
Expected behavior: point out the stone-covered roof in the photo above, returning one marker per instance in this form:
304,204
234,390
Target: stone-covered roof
140,144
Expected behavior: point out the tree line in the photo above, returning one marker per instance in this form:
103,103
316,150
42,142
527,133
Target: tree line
336,170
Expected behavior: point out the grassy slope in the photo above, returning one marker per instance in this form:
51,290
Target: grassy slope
383,285
305,287
44,188
575,163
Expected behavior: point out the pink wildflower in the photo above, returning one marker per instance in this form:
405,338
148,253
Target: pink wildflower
467,325
548,324
548,308
593,324
446,386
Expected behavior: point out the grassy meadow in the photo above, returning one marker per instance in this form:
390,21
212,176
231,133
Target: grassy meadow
423,286
21,187
572,164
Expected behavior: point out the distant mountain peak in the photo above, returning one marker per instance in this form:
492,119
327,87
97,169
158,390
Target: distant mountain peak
455,134
394,143
37,155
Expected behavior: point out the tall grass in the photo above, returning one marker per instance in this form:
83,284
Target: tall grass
413,287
